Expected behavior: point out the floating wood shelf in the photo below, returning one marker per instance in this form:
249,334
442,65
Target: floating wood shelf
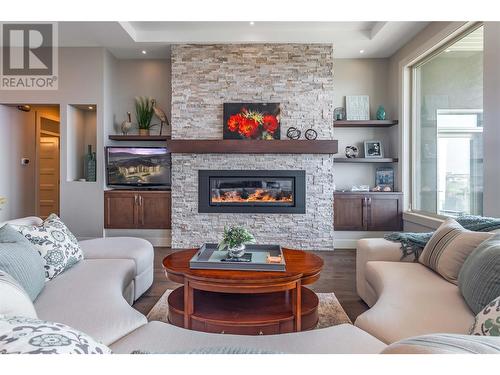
366,160
137,137
232,146
365,124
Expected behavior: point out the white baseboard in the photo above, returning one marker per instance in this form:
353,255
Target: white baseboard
348,239
157,237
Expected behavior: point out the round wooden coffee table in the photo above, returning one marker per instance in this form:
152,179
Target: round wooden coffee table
244,302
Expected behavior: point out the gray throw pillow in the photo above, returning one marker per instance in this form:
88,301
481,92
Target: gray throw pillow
21,261
479,278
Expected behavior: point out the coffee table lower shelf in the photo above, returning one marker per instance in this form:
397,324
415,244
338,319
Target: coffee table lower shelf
243,314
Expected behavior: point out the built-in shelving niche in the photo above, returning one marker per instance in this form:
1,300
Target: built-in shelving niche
82,132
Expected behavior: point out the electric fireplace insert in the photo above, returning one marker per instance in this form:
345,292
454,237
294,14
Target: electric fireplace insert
251,191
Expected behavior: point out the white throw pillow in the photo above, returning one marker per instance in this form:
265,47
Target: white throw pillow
488,320
56,244
20,335
13,298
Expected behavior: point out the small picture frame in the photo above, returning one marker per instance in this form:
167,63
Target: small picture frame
384,178
374,149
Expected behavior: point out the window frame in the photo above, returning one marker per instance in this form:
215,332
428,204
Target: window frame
415,119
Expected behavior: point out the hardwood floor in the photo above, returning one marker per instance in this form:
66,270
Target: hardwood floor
338,276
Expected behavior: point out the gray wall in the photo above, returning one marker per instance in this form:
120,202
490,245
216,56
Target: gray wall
426,40
491,118
81,78
17,182
362,77
139,78
300,78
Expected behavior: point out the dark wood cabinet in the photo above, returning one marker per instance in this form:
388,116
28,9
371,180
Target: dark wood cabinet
134,209
368,211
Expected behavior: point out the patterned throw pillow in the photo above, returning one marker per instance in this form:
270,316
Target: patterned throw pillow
20,335
449,247
56,244
488,321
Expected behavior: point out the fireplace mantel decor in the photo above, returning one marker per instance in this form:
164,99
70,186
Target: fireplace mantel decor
252,191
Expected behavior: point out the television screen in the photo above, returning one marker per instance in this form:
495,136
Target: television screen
138,166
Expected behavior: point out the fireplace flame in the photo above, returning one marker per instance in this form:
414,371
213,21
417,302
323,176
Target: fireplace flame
259,195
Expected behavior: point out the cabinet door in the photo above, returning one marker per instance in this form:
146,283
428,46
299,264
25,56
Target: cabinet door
120,210
349,212
385,212
155,210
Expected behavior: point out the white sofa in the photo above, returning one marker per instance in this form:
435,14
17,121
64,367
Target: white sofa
406,298
95,295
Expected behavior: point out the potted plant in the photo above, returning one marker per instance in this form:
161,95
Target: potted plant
234,239
144,113
2,202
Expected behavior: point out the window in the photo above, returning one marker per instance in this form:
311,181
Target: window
447,132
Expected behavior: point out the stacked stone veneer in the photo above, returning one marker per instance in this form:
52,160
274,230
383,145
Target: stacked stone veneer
298,76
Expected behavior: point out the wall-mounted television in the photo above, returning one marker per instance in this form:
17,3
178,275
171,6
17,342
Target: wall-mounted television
138,166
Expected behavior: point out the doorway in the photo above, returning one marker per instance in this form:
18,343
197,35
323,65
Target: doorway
48,165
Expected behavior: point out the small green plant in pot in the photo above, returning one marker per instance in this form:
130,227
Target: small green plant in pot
234,240
144,113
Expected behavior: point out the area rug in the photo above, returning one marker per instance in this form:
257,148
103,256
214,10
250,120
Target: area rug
331,312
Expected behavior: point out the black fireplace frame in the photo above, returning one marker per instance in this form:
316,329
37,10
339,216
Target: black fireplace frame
299,206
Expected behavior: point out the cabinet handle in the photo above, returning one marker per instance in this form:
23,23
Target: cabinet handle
135,199
261,333
140,200
222,332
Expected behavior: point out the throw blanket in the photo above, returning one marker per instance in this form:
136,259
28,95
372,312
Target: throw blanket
413,243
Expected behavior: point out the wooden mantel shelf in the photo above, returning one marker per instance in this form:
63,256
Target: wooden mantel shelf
234,146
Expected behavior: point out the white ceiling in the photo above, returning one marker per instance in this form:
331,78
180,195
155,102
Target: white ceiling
127,39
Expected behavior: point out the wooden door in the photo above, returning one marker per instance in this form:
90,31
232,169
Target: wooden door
121,209
48,175
155,210
349,211
385,212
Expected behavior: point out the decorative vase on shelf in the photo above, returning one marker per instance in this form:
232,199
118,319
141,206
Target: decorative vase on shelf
381,113
89,166
127,124
236,252
144,132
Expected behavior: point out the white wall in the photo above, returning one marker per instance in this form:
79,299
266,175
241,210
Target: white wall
17,182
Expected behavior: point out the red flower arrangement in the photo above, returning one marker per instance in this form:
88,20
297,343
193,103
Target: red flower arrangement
253,124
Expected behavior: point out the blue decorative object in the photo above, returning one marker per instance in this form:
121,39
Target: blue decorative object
381,113
413,243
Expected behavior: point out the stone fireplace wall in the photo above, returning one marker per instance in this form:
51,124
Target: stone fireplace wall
298,76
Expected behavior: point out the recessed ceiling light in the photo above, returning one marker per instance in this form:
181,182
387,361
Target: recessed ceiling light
361,51
144,52
90,107
252,23
447,50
